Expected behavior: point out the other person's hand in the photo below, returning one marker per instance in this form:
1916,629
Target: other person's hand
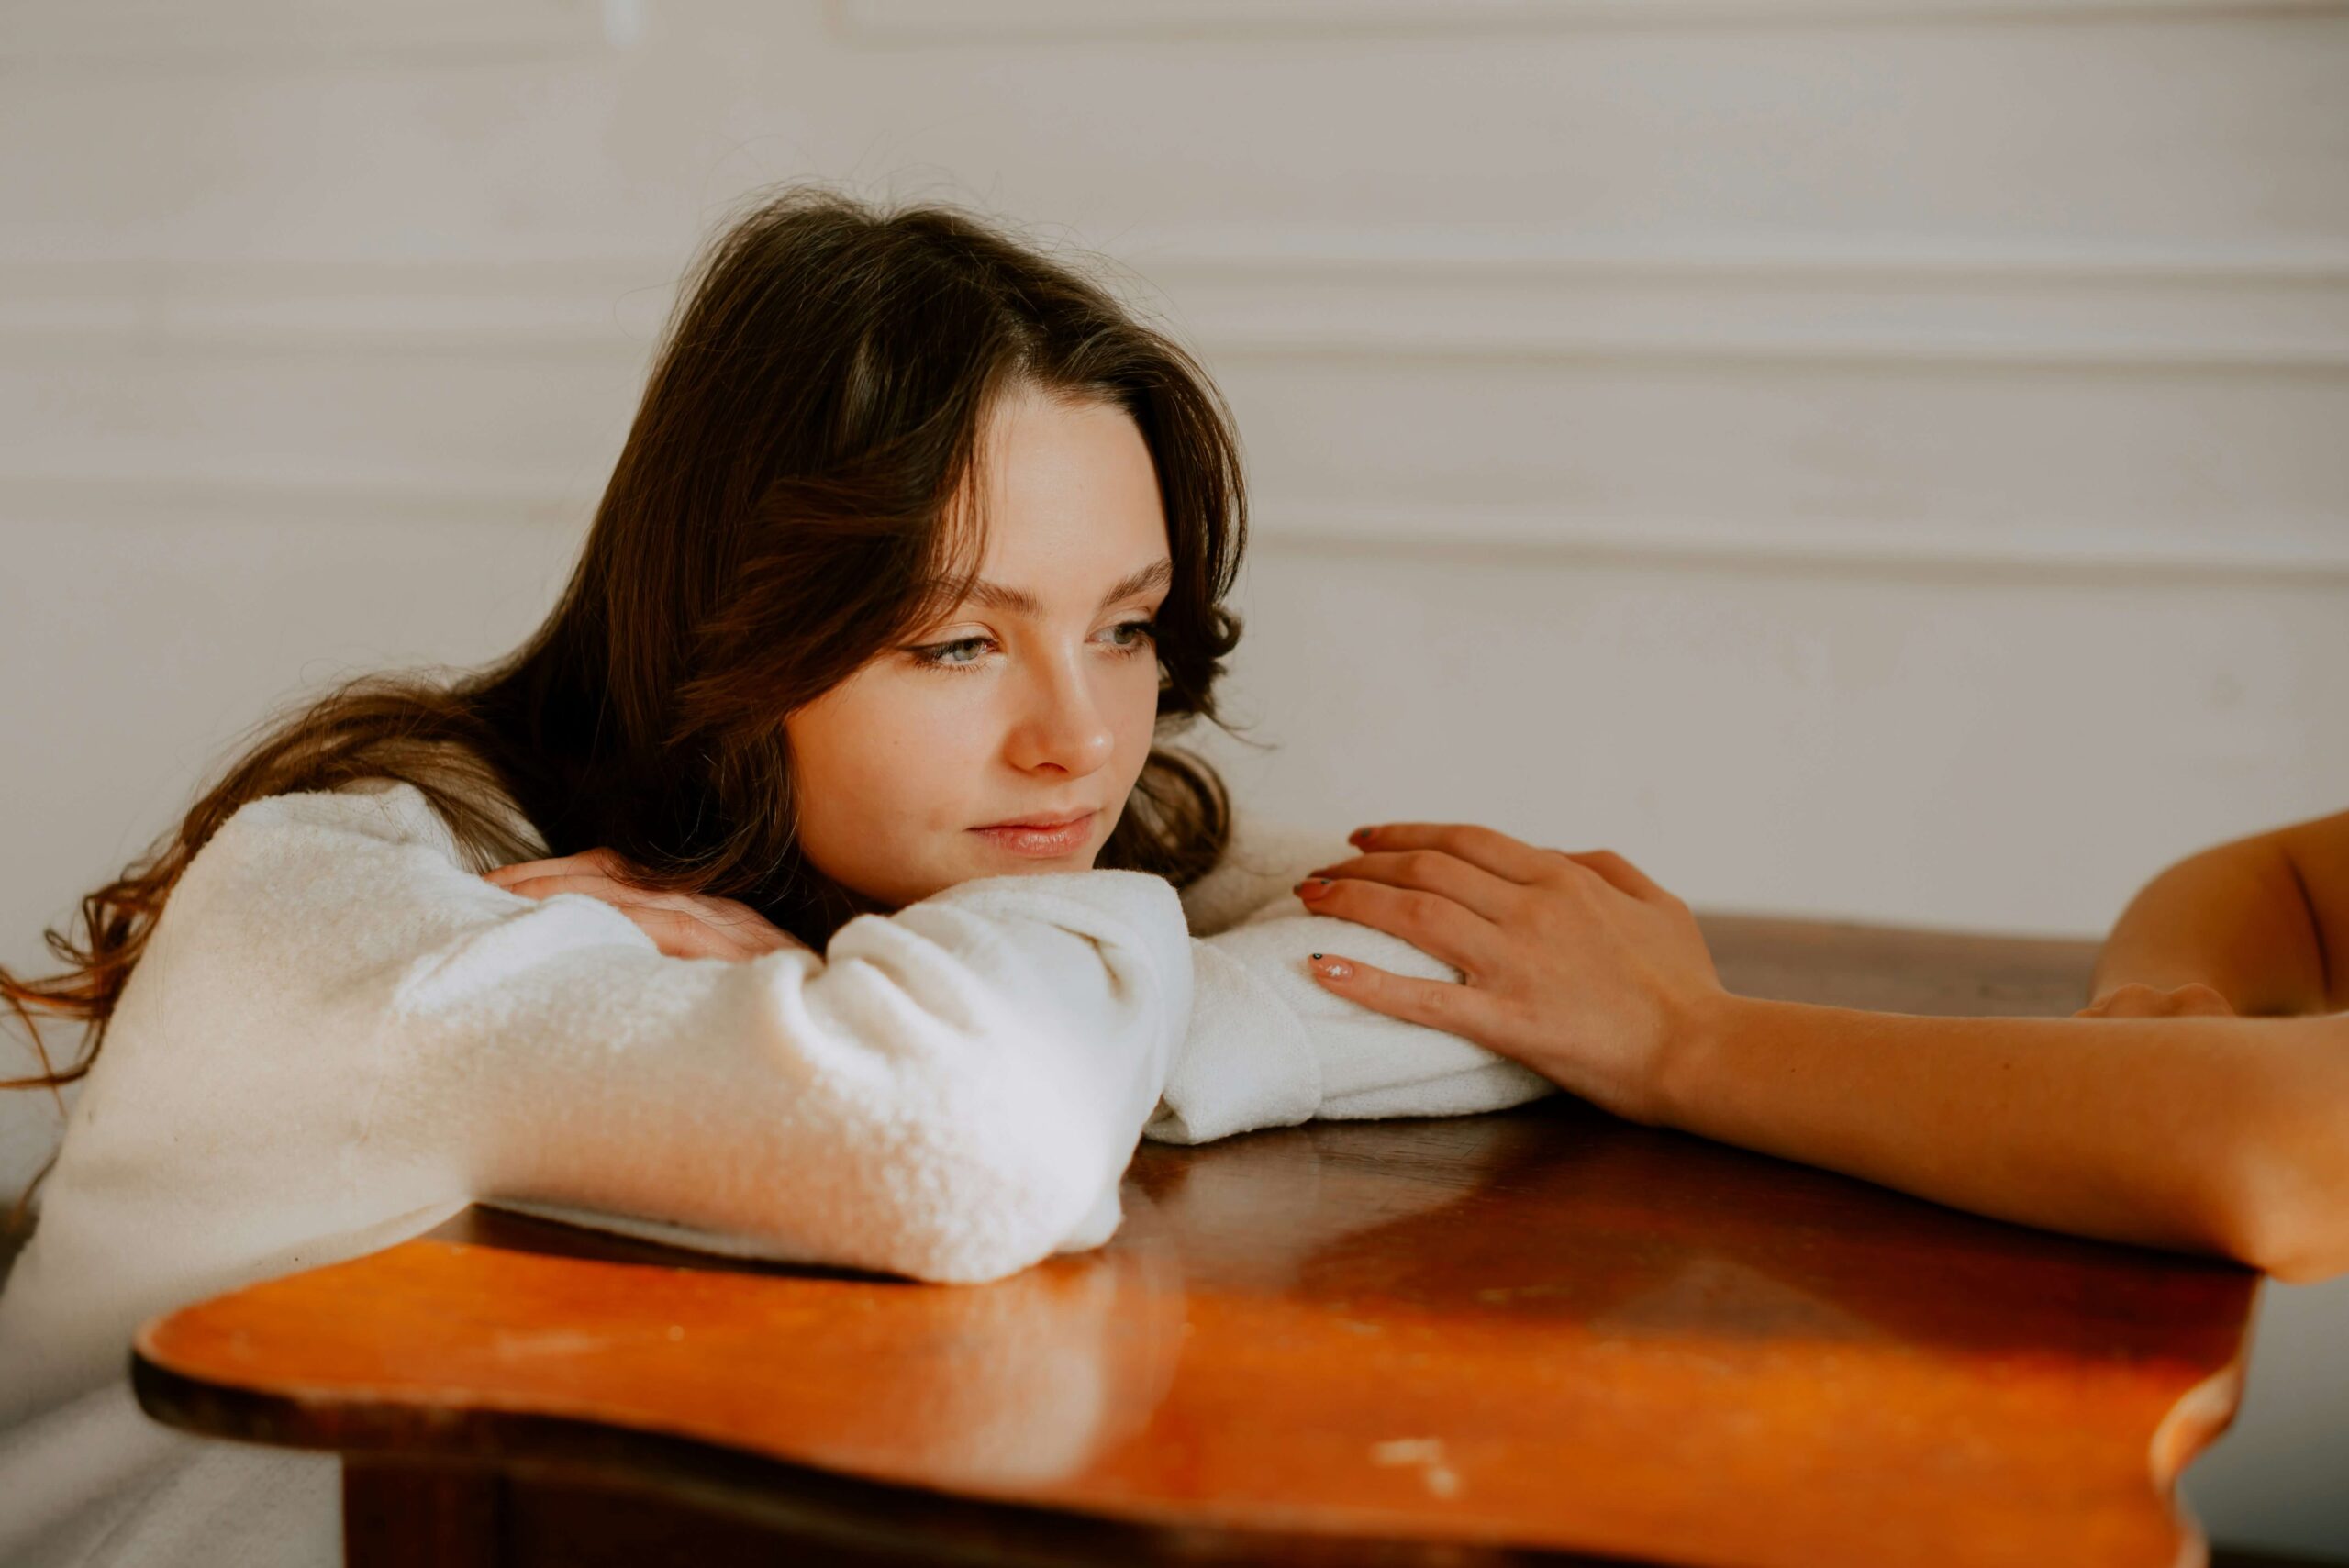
1577,965
2192,1000
683,925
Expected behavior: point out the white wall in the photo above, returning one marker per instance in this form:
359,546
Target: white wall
1868,457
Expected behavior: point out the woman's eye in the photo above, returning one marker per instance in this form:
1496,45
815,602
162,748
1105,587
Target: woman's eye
958,654
1132,634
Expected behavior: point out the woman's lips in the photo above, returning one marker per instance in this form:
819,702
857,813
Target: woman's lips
1041,843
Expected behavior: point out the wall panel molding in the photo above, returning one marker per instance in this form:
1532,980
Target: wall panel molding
560,305
928,22
2277,308
34,498
2310,552
175,35
1277,297
2304,553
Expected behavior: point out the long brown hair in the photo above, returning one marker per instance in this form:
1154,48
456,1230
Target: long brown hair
779,514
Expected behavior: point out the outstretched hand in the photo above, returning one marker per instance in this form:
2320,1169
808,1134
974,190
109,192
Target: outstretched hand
683,925
1577,965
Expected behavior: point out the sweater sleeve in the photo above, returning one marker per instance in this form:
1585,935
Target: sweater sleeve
949,1093
1268,1046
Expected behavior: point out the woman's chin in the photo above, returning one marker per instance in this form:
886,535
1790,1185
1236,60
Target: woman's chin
976,868
1032,865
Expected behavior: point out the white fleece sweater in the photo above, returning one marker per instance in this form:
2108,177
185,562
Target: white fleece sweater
340,1034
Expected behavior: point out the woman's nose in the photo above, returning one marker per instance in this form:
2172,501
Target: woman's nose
1065,728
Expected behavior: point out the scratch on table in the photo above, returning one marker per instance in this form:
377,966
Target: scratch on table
1435,1473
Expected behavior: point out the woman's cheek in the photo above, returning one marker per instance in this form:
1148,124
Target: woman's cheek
1135,705
962,725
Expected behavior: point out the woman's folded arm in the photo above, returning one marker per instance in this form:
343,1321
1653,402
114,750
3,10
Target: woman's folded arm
1269,1047
951,1093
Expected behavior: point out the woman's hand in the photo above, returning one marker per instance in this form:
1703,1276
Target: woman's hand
2192,1000
1574,964
683,924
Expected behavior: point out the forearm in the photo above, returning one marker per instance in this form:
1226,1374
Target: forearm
1267,1046
2235,919
2227,1136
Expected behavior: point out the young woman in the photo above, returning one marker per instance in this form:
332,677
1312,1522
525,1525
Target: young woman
848,726
2156,1116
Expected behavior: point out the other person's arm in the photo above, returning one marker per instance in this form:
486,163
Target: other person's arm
2263,921
2211,1134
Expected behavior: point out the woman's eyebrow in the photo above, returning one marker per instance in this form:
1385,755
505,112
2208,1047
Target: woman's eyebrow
1157,574
1020,600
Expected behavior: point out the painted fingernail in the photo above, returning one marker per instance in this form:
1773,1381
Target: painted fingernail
1313,887
1359,835
1331,968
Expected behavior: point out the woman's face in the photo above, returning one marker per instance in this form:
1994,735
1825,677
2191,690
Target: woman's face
1006,736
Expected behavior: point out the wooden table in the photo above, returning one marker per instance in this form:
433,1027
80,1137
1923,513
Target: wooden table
1538,1336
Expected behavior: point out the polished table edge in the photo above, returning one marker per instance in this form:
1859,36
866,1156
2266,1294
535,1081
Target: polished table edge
801,1503
808,1503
